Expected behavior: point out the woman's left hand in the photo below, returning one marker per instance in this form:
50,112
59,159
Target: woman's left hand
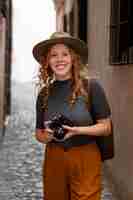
101,128
72,130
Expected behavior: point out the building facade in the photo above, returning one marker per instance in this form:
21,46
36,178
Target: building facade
107,27
5,61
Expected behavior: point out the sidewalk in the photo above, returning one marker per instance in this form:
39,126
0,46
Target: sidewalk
21,155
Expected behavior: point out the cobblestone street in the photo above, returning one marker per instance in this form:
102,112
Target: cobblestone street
21,155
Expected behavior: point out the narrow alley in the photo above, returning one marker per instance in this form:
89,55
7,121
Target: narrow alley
107,29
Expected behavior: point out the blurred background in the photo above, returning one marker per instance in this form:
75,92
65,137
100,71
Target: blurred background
107,28
33,21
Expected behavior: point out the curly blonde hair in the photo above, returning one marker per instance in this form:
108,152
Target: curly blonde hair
46,77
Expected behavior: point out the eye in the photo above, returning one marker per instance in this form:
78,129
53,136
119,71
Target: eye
53,54
65,54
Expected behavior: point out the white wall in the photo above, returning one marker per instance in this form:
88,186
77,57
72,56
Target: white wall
32,21
2,68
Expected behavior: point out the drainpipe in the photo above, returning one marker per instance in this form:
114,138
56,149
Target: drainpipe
59,8
62,7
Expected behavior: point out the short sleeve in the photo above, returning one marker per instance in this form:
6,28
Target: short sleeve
39,113
99,104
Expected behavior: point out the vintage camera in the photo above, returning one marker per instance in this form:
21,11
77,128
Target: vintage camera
56,125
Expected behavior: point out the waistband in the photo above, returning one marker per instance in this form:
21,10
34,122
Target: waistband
66,145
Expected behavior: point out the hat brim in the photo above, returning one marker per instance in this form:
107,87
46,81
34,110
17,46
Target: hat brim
77,45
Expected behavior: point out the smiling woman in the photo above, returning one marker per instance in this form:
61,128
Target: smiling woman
62,108
26,31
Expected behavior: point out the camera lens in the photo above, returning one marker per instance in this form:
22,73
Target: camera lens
59,133
56,125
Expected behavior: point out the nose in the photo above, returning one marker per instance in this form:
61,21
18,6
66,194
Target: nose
59,58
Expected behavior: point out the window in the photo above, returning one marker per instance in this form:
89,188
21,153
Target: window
82,16
69,22
121,32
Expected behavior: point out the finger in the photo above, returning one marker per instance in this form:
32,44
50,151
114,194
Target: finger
58,140
50,137
67,127
73,129
68,135
49,130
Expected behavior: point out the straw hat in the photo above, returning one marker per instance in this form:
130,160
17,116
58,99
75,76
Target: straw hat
79,46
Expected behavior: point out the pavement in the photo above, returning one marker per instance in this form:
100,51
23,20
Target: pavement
21,155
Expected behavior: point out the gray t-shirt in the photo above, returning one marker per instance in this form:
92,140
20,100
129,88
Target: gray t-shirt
80,115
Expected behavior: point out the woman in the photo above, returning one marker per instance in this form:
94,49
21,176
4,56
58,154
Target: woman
72,166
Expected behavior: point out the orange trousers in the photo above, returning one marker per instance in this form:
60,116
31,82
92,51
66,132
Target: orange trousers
73,174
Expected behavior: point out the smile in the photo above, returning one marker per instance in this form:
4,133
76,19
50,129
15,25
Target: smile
61,66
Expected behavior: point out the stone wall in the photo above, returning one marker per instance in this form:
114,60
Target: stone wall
117,81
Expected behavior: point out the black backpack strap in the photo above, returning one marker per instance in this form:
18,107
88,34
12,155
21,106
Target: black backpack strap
105,143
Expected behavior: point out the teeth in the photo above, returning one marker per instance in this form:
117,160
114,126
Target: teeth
60,66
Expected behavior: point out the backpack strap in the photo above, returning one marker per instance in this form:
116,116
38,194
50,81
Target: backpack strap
87,87
105,143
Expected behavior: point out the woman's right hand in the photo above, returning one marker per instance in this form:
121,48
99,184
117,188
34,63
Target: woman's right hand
44,135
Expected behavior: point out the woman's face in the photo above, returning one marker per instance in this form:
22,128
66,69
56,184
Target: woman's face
60,61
